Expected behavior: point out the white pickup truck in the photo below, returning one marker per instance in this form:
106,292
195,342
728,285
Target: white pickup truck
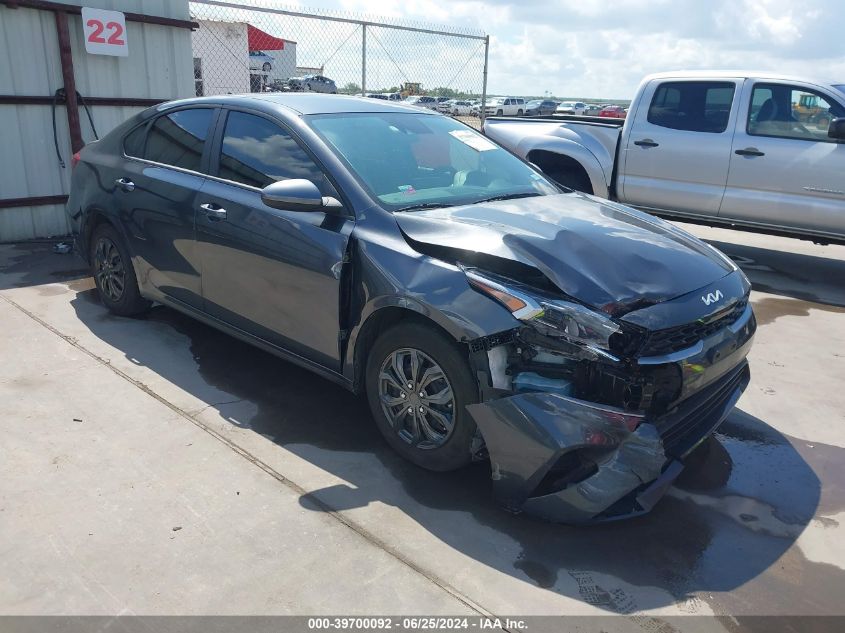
751,150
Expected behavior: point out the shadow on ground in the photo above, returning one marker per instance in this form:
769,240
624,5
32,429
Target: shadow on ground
808,278
737,510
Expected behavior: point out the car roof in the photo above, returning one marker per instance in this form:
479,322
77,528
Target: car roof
301,102
734,74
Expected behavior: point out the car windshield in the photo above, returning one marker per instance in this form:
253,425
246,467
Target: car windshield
416,160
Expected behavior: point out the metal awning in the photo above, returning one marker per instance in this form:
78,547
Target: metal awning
260,41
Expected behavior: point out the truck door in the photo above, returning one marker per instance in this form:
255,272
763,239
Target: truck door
676,153
785,171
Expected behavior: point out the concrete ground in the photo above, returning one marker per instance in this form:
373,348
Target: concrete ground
156,466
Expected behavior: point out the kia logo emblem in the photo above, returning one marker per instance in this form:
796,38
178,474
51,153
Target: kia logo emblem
712,297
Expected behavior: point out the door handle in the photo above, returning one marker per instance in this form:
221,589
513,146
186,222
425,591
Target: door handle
646,142
750,151
125,184
213,212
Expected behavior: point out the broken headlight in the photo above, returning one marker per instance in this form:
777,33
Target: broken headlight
551,316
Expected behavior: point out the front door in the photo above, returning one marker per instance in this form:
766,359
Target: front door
785,170
676,153
269,272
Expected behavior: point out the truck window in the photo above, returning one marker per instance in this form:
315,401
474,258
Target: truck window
791,112
693,106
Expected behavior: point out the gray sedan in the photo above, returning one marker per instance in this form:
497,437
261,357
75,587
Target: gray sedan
582,347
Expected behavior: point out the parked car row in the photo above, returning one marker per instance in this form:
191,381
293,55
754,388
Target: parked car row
445,105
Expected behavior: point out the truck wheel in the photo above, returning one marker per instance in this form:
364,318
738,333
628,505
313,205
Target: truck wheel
499,113
114,273
266,67
418,384
519,113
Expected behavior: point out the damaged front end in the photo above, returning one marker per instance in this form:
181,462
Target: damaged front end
581,421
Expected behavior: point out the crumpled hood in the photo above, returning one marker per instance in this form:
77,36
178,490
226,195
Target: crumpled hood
603,254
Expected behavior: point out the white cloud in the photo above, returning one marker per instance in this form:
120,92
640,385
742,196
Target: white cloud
603,49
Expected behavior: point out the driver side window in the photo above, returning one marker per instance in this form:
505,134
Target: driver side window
257,152
784,111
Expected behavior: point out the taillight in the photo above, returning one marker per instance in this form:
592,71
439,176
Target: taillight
74,160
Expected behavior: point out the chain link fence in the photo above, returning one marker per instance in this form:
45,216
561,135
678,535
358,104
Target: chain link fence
263,46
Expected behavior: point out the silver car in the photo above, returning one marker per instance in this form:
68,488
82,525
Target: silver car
318,83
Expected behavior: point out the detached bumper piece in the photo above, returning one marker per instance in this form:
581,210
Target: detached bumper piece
571,461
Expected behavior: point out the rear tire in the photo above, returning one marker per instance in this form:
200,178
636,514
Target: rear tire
433,431
114,273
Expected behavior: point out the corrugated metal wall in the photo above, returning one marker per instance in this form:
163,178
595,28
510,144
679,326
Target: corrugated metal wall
159,66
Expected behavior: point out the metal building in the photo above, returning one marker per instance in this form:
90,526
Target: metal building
43,51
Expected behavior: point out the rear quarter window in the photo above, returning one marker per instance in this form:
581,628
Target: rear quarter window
133,143
178,138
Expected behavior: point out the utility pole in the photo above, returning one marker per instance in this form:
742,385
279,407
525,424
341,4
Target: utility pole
481,110
364,60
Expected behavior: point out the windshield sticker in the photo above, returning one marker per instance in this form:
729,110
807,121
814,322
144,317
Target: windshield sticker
407,189
473,140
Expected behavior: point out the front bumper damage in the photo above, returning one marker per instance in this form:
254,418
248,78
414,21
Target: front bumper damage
539,442
568,460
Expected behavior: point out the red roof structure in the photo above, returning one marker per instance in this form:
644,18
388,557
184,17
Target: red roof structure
260,41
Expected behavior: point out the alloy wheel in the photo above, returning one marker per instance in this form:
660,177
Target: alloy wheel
109,270
417,398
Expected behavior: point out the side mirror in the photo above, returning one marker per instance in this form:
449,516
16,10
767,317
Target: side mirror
837,129
296,194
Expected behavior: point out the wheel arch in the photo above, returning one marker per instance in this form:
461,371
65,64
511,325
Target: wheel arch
94,217
384,317
569,152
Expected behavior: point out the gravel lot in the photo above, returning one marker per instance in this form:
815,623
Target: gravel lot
156,466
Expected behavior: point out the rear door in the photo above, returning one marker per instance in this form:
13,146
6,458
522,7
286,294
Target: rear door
677,152
272,273
155,191
785,171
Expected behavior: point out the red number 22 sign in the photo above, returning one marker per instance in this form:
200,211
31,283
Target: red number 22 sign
105,32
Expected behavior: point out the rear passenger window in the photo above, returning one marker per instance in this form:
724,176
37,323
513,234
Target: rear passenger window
178,138
693,106
258,152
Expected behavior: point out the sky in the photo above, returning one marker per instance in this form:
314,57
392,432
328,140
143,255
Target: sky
584,48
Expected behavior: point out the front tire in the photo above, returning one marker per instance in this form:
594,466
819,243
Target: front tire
418,385
266,67
114,273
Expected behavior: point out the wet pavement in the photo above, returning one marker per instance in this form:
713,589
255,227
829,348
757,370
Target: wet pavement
752,527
